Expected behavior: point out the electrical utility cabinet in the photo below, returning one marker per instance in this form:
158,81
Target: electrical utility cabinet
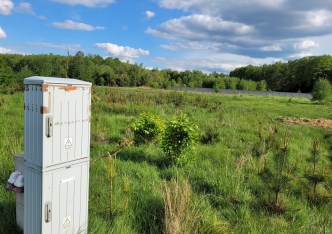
57,116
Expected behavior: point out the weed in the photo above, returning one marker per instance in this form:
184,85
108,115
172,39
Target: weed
211,135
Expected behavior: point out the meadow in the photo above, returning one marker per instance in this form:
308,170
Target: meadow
222,191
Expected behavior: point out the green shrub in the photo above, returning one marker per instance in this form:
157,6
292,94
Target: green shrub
322,90
147,128
211,134
219,84
232,82
261,85
179,139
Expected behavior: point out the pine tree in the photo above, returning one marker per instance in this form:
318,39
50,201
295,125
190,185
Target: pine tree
276,176
313,176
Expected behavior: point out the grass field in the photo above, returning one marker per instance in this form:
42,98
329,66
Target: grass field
222,191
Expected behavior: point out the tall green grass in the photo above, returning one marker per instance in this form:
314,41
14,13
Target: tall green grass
226,192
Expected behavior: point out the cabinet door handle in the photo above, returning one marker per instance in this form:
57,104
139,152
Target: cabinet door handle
49,126
48,212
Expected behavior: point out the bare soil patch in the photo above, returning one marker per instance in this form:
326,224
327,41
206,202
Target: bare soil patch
321,122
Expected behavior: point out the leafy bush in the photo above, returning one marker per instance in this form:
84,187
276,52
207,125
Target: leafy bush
261,85
231,83
322,90
219,84
147,128
179,139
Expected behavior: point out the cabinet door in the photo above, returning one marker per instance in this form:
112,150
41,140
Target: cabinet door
70,114
66,200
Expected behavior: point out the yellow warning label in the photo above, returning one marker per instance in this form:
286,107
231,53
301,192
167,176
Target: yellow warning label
66,222
68,143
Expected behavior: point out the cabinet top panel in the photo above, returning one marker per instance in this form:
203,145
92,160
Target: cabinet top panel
54,80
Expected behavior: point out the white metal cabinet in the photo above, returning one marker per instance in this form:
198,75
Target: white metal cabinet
57,114
58,198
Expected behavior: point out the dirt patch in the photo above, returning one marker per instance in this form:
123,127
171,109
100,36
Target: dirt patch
324,123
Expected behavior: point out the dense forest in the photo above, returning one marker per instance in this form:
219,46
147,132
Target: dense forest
297,75
293,76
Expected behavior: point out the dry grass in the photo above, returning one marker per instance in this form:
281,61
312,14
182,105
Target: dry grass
184,214
177,198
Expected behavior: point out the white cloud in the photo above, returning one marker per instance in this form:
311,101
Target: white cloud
324,43
305,45
257,28
149,14
194,46
170,47
6,51
87,3
200,27
319,18
2,33
216,7
24,7
215,62
300,55
303,48
122,52
271,48
69,24
6,7
203,64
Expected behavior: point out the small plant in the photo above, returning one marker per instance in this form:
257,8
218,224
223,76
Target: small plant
147,128
111,175
179,138
277,177
266,141
314,177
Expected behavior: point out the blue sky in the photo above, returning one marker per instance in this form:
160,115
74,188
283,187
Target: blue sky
214,35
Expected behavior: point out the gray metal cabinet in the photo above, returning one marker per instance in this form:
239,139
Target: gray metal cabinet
57,114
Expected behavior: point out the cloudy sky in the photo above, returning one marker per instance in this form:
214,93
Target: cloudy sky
213,35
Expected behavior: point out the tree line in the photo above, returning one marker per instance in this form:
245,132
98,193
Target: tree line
292,76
